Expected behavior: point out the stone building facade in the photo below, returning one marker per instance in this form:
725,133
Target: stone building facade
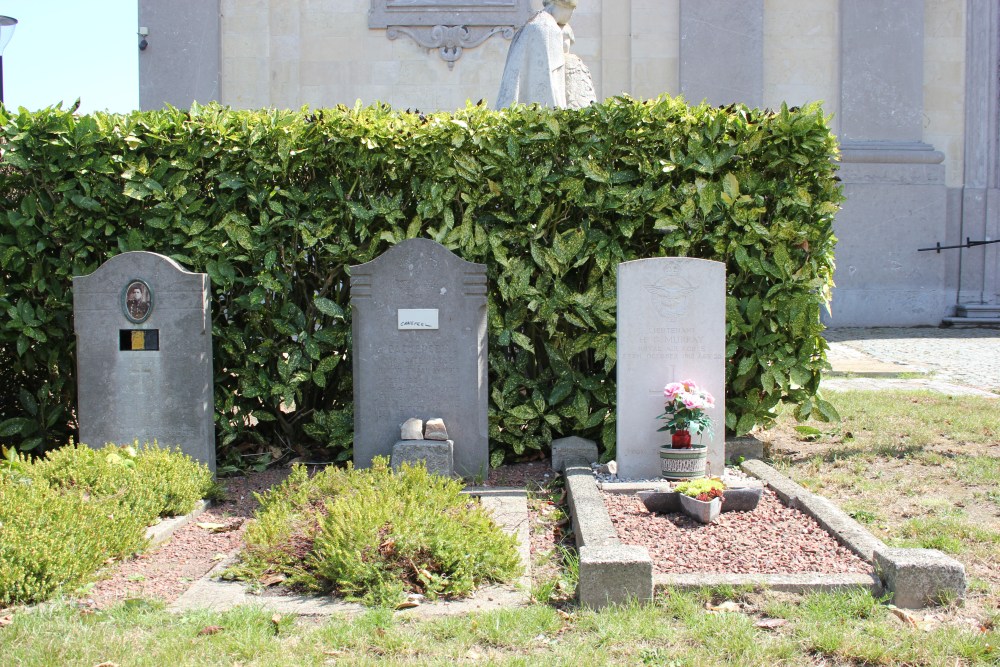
912,86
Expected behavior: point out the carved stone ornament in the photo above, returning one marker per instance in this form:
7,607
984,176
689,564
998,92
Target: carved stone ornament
450,26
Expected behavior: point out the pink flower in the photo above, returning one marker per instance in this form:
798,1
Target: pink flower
672,390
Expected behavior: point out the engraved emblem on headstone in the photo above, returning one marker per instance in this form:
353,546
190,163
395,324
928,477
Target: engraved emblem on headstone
670,294
137,301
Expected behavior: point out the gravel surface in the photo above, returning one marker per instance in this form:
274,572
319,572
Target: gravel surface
772,539
169,570
966,356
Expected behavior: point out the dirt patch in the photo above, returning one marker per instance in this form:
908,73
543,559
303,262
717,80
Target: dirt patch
772,539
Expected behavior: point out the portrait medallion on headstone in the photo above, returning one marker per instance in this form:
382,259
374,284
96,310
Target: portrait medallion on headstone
137,301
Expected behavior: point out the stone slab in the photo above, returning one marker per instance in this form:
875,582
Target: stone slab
573,451
510,510
747,447
144,363
411,369
436,455
161,532
788,583
591,522
920,577
671,327
614,574
893,384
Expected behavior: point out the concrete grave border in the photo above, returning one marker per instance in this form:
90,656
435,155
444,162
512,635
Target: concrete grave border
611,572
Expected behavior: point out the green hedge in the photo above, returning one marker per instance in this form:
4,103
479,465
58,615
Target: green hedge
276,205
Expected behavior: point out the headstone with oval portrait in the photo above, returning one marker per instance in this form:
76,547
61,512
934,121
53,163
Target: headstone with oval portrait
144,355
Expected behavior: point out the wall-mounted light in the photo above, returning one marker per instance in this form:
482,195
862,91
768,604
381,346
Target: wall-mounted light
7,25
143,42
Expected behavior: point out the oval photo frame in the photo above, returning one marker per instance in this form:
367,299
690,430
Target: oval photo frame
137,301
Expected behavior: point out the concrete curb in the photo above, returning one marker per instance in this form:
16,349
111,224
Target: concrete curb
914,577
508,505
788,583
611,572
163,531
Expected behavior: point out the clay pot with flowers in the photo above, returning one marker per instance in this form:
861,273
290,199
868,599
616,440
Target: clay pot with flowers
684,409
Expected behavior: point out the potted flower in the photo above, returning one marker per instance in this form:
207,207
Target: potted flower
684,412
701,499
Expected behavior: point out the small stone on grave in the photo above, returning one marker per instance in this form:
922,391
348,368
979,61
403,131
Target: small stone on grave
437,455
434,429
412,429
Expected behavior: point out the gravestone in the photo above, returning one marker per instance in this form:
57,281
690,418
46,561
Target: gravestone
419,329
671,327
144,355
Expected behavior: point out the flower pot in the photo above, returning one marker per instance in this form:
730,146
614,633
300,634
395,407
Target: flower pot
681,439
688,463
701,510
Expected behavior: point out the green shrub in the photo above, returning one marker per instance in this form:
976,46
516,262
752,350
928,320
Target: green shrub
53,540
149,481
374,534
63,516
277,205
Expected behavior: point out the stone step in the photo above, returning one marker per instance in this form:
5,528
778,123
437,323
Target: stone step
978,310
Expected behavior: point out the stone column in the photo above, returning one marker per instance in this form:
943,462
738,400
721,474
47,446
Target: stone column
722,51
978,284
896,197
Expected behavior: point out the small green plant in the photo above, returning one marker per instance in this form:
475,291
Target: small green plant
373,535
62,517
704,488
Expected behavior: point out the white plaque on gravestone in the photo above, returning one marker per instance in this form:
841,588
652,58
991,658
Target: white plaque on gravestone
416,318
671,327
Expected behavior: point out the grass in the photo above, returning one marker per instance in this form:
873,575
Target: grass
926,483
837,629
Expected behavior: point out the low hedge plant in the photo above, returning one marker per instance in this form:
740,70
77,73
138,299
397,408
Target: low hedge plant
375,535
63,516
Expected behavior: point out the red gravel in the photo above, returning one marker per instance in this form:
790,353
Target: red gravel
772,539
170,569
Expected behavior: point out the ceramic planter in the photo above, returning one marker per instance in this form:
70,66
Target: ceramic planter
701,510
679,464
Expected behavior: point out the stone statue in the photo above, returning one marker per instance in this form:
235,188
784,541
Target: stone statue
579,83
536,62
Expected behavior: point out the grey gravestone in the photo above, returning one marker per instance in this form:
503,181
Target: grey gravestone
419,329
144,355
671,327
